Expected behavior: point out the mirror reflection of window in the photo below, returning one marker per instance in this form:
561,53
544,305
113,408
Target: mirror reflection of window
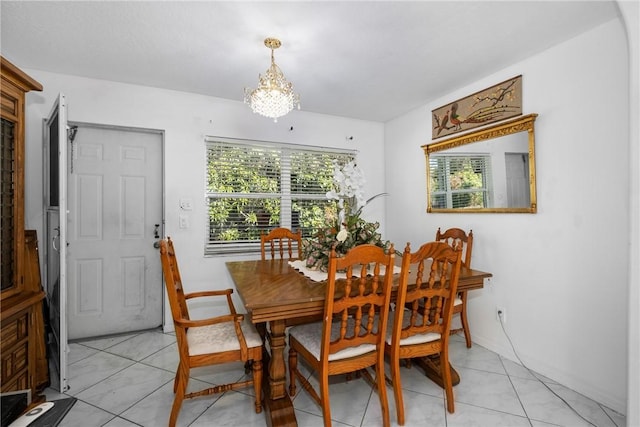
461,181
488,170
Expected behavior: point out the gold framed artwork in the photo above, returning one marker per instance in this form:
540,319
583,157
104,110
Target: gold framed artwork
490,105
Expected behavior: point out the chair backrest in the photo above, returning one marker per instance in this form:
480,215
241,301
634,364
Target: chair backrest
365,292
279,239
172,279
455,237
427,290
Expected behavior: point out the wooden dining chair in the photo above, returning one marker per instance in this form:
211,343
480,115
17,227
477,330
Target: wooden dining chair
280,239
421,327
457,237
216,340
351,336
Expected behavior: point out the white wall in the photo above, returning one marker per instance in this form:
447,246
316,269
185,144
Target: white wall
186,118
561,274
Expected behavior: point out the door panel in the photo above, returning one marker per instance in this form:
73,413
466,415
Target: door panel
115,198
89,283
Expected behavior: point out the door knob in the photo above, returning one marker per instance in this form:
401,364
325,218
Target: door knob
156,244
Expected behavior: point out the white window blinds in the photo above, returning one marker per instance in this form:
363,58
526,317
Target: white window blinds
254,186
460,181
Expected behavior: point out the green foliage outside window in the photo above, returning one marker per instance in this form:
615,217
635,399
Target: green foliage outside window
459,181
253,188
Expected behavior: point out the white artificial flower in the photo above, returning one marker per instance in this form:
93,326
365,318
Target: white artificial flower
360,201
349,182
342,235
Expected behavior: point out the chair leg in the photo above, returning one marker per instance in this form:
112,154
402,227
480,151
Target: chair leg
463,319
324,398
257,384
293,366
175,380
397,389
180,387
446,379
382,390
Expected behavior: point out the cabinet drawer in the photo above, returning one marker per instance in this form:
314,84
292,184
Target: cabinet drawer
15,361
19,382
14,330
14,354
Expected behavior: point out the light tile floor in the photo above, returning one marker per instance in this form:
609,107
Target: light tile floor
127,380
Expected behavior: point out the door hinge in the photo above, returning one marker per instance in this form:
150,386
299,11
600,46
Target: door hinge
71,135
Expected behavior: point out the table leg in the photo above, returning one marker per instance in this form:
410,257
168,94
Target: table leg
277,366
278,405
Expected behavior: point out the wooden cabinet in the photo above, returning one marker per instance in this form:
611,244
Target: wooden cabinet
20,298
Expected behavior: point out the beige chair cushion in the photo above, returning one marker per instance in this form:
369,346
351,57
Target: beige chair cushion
414,339
220,337
310,336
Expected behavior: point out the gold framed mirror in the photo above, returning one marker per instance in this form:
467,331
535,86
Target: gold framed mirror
490,170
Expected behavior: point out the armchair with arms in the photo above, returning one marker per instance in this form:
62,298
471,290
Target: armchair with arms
221,339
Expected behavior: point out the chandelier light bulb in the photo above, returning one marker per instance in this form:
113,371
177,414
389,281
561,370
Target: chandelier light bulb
274,96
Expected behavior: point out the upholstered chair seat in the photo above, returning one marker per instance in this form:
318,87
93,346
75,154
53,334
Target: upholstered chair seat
220,337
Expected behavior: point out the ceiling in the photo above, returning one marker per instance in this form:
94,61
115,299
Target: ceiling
371,60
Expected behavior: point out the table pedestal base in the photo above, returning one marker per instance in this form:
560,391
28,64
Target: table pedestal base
431,366
279,412
277,403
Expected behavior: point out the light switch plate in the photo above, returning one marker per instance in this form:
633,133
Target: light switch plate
186,204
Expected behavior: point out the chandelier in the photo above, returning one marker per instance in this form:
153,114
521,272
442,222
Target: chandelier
274,95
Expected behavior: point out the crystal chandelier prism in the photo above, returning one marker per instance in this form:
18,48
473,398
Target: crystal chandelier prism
274,96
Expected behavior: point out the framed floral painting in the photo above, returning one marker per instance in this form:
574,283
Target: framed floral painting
490,105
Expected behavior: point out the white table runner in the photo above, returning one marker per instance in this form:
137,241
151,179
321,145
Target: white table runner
320,276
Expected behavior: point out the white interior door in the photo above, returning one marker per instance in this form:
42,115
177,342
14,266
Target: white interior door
518,189
55,189
115,218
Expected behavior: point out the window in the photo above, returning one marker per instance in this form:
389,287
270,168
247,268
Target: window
254,186
469,183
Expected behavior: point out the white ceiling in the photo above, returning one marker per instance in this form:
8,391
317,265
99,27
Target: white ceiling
371,60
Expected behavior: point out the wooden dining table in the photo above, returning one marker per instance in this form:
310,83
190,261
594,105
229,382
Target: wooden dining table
278,295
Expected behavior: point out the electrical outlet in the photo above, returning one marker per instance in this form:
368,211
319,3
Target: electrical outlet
184,221
501,314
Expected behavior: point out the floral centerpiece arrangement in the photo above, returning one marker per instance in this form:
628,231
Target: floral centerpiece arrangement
348,229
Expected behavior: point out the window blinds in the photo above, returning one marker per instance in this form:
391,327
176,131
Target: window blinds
254,186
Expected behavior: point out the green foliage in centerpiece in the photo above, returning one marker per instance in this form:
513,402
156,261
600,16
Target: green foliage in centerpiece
349,229
358,232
